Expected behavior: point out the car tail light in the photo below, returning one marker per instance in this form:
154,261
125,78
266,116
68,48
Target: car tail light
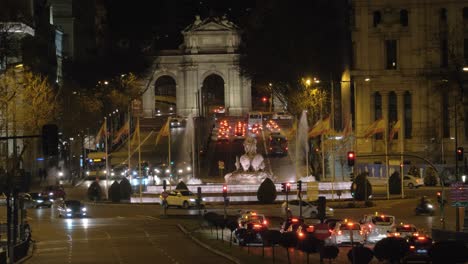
294,220
416,234
421,238
310,229
265,222
370,226
257,226
301,235
412,247
339,232
360,232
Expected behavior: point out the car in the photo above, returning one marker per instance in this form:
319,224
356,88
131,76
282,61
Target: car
54,192
273,126
220,110
309,209
331,222
377,226
291,224
277,145
250,233
403,230
71,208
256,129
182,198
281,115
412,182
239,130
419,247
177,121
346,233
251,216
39,200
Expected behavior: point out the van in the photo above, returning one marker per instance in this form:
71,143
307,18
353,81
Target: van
254,118
277,145
377,226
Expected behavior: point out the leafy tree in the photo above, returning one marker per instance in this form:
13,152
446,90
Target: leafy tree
394,183
266,193
181,186
329,252
430,179
114,192
94,191
392,249
360,255
361,186
125,189
414,171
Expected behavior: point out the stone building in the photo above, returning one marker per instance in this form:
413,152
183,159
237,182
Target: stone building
407,65
202,75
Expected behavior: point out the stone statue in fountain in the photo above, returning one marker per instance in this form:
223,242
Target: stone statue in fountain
250,167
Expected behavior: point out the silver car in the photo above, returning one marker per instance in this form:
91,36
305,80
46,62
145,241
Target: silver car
347,233
377,227
309,209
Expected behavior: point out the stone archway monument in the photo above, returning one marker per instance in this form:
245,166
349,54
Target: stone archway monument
210,48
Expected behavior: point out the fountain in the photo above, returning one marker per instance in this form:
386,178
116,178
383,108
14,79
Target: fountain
302,149
187,153
250,167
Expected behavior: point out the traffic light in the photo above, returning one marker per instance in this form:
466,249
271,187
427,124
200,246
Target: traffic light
164,185
351,158
439,197
288,187
460,152
299,186
224,190
351,177
264,99
321,205
50,140
285,187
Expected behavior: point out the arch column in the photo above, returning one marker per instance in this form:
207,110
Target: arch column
401,118
148,100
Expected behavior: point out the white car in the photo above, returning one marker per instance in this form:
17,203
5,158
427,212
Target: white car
346,233
249,217
182,198
412,182
177,121
309,209
377,226
281,115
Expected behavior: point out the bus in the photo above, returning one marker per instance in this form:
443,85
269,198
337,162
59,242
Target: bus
254,118
95,165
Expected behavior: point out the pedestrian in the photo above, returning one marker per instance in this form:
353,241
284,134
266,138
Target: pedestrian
27,232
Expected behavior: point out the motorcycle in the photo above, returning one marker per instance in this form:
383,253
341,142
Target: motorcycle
424,209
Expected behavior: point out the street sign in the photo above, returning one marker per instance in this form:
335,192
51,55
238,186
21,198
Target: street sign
460,204
221,165
164,195
321,231
458,192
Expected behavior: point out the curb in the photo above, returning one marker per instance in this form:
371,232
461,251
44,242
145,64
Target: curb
217,252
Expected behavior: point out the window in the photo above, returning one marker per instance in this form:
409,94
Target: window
378,111
404,17
377,18
408,115
465,51
444,53
445,115
443,15
392,109
391,52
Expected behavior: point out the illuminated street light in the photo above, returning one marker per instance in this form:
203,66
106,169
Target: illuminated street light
465,69
106,82
367,79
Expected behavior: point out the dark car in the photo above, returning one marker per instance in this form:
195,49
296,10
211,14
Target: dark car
419,248
291,224
54,192
250,233
71,208
277,145
40,200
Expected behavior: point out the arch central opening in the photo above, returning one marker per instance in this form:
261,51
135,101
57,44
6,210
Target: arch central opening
165,95
212,95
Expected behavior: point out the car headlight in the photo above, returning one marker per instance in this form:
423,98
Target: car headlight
105,172
192,200
203,199
430,206
134,173
87,173
157,171
68,210
51,194
83,209
40,201
112,174
180,171
330,209
189,168
168,171
122,174
60,174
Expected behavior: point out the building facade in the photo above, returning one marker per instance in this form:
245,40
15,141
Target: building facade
407,66
201,75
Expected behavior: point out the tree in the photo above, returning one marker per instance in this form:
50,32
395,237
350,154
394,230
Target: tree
361,186
266,193
94,191
181,186
394,183
125,189
392,249
430,179
360,255
329,252
114,192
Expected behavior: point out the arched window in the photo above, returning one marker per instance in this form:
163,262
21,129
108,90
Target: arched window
378,111
392,109
377,18
404,17
408,115
443,15
165,86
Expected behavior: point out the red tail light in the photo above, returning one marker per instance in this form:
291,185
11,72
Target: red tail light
339,232
294,220
421,238
257,226
412,247
301,235
265,222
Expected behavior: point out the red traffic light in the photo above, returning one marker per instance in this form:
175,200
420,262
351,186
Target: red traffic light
439,193
350,155
224,188
264,99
